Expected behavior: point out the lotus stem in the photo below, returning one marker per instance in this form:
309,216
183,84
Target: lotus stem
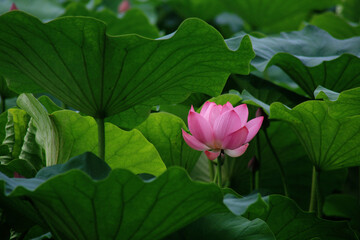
282,172
3,107
314,189
257,172
211,171
101,137
219,172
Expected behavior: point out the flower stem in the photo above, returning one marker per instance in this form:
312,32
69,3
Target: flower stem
257,173
219,172
3,107
314,188
211,171
101,137
282,172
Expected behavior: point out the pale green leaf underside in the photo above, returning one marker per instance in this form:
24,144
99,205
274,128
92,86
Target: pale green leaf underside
46,135
73,59
65,134
124,149
77,207
330,143
311,57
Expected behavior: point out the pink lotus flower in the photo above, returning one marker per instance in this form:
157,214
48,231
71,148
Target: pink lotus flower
124,6
13,7
218,128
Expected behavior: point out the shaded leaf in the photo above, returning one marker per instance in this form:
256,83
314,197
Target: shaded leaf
140,210
330,143
311,57
273,16
343,206
225,226
335,25
87,162
295,223
259,92
195,8
73,59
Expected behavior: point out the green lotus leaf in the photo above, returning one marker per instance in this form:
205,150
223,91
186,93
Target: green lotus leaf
195,8
225,226
259,92
139,210
73,59
273,16
343,206
345,104
311,57
330,143
294,223
294,160
124,149
164,131
337,26
65,134
133,21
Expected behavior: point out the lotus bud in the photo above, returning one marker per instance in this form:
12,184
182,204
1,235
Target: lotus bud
253,164
260,112
124,6
13,7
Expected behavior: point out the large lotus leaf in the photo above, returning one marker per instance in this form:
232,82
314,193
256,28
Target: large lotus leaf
330,143
43,9
164,131
335,25
133,21
311,57
139,210
294,160
345,104
288,221
124,149
273,16
65,134
73,59
225,226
